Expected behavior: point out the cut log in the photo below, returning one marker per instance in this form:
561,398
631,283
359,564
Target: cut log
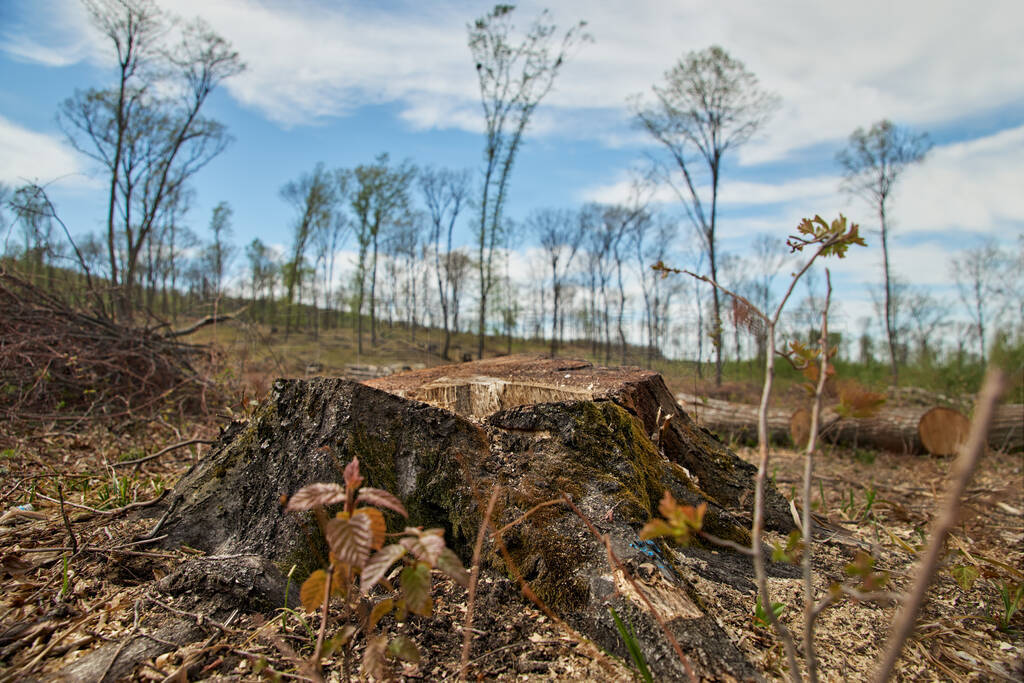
613,439
943,430
1007,430
735,421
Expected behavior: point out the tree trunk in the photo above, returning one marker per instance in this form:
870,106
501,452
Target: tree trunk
735,421
613,440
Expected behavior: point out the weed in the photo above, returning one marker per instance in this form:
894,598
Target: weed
1011,594
629,638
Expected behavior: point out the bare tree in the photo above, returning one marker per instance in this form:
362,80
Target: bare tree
147,131
314,198
445,193
978,273
872,163
380,195
514,78
219,252
262,274
559,232
708,105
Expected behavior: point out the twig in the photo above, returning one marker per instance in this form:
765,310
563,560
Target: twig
172,447
467,628
318,652
523,517
946,520
807,522
67,522
115,511
617,564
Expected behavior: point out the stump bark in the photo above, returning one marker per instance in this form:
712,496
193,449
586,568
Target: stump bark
612,439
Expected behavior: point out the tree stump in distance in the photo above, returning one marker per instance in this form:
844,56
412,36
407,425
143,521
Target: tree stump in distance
943,430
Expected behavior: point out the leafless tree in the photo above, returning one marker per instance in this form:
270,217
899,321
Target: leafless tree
872,162
446,193
314,197
978,273
709,104
515,74
560,233
147,131
380,196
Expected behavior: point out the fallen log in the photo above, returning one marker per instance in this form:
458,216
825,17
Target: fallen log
736,421
1007,430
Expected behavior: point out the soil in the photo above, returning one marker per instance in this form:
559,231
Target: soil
113,600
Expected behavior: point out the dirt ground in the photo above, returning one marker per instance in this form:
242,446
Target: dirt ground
75,582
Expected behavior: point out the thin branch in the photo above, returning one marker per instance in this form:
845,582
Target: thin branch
467,629
154,456
807,522
960,475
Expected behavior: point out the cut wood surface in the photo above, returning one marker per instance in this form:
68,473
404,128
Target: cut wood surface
943,430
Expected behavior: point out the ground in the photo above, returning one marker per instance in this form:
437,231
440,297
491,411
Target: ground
61,598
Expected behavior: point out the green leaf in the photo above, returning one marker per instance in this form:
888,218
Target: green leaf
415,581
633,646
450,564
761,617
965,576
404,649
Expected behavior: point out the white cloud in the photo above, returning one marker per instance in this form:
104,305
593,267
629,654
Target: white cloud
26,155
836,66
968,187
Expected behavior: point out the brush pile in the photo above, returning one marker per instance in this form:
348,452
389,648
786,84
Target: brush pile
65,365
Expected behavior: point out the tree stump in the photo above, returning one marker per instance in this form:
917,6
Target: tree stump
612,439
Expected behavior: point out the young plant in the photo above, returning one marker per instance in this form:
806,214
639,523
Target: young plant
356,537
822,239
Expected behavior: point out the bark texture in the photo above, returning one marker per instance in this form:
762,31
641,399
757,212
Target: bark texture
612,439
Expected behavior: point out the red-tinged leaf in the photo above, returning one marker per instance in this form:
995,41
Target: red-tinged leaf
404,649
373,658
378,612
377,525
312,592
450,564
350,539
382,499
426,547
656,528
316,495
667,505
352,477
376,568
415,581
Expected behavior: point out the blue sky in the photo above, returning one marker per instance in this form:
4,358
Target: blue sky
340,82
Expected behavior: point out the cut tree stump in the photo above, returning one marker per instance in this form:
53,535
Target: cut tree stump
613,439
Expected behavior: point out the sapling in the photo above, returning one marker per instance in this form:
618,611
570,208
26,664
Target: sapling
356,540
822,239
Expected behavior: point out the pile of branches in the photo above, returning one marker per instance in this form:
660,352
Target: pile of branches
62,364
